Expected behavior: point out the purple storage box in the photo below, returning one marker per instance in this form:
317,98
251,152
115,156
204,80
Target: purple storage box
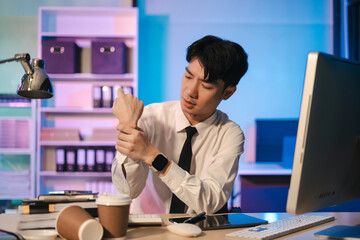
108,56
60,56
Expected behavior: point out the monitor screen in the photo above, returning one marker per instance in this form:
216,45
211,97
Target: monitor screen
326,167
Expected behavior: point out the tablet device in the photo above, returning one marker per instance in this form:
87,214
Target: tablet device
221,221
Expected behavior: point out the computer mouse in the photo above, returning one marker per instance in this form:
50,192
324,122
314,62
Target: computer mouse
185,229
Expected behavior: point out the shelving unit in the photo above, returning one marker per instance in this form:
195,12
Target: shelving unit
72,105
17,149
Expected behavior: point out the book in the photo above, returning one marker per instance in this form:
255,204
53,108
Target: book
40,207
39,224
68,198
37,217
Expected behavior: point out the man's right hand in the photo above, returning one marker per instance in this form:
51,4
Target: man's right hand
127,108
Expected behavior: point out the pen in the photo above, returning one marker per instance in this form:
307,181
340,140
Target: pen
195,219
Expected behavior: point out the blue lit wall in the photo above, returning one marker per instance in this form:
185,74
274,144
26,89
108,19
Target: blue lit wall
277,35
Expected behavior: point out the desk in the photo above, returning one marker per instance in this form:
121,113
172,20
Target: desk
150,233
263,187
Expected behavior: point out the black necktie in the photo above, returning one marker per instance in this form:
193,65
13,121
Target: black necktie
177,206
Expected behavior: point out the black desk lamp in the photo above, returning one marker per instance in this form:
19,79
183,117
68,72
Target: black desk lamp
35,83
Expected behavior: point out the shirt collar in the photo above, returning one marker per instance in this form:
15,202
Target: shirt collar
182,122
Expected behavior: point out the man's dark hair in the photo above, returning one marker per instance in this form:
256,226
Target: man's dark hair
221,59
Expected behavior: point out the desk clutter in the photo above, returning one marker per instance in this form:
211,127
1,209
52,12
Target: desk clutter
41,213
80,216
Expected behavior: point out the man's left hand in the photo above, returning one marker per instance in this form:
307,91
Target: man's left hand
135,144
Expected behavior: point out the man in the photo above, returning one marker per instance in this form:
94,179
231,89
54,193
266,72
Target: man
154,137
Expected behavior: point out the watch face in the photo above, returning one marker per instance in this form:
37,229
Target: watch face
160,162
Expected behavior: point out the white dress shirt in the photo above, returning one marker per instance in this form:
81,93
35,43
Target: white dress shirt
216,151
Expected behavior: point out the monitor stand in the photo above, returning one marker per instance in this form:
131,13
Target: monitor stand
340,232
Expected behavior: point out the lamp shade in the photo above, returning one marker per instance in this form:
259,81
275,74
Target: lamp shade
36,83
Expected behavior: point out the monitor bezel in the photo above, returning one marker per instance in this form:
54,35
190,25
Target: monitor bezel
302,196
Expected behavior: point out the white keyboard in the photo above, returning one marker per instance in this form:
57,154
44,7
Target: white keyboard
281,228
145,219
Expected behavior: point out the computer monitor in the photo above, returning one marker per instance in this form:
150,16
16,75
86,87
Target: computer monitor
326,167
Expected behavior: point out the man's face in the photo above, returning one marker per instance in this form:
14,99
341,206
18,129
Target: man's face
199,99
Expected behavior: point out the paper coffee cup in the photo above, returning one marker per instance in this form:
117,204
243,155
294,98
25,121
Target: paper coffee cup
74,223
113,211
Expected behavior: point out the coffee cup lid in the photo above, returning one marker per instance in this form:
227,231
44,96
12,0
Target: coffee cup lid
113,199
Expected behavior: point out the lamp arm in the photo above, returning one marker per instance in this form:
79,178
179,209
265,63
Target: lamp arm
26,65
24,58
17,57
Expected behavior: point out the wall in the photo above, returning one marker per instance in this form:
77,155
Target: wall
276,34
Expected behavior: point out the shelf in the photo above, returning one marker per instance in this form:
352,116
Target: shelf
75,111
15,118
16,151
78,144
74,174
72,105
74,21
86,35
16,104
89,77
14,196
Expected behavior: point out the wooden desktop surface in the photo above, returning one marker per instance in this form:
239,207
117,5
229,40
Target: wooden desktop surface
8,222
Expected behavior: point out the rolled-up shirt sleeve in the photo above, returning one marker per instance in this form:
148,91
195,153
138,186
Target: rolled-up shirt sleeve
136,175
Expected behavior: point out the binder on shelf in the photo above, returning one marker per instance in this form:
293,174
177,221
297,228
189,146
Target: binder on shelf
90,160
100,160
97,96
106,96
81,160
114,92
109,157
127,90
70,160
60,160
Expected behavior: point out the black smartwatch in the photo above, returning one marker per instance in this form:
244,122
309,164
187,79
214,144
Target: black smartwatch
159,163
